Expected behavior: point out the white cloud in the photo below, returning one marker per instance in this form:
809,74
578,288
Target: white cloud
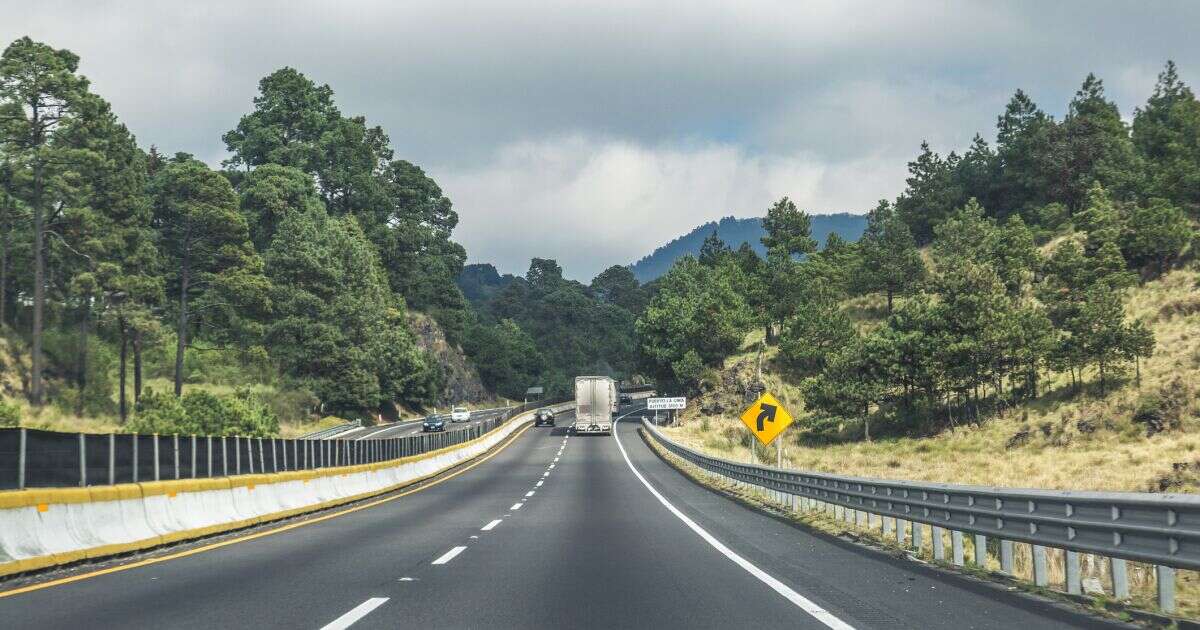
592,202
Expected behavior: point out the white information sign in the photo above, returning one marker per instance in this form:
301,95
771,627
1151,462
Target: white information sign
655,404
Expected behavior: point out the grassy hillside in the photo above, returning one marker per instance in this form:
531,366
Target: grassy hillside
1061,439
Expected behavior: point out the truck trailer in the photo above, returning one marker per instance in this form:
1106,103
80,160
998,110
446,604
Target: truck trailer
595,403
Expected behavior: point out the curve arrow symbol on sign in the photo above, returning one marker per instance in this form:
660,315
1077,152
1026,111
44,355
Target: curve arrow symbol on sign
766,413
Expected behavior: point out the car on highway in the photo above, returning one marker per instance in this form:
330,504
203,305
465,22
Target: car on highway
433,423
543,417
626,399
460,414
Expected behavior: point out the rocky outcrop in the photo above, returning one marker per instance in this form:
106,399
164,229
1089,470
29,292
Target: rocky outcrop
462,380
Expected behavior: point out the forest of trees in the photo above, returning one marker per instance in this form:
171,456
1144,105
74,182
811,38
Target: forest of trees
542,329
1030,250
298,258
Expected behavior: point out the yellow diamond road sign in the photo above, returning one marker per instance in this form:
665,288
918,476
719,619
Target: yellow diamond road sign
766,418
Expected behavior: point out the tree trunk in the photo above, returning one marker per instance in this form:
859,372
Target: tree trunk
82,364
39,289
5,235
137,366
889,296
124,405
181,341
1102,384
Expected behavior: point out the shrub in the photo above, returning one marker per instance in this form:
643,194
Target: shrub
10,414
203,413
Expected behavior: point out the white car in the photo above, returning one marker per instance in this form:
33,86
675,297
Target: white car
460,414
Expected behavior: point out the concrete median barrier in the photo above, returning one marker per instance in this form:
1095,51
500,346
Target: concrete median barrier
55,526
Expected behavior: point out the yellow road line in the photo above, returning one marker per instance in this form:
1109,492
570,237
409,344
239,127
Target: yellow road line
141,563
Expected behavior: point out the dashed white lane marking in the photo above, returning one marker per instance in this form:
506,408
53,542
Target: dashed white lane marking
551,466
556,460
546,474
539,484
802,602
530,493
490,526
356,613
516,506
449,555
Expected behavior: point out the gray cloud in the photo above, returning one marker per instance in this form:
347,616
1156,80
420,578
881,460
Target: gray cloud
640,120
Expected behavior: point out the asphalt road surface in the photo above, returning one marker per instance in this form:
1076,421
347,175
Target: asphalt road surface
406,428
551,531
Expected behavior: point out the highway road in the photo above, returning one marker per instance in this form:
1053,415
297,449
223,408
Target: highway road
549,531
406,428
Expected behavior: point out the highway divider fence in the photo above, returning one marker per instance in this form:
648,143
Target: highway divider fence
1156,528
49,526
32,458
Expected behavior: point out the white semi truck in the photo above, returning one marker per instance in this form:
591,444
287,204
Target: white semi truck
595,403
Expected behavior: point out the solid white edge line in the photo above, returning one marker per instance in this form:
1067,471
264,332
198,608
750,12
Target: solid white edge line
805,604
356,613
449,555
516,506
490,526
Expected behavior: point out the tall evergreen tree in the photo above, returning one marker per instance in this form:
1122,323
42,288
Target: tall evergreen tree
206,248
39,94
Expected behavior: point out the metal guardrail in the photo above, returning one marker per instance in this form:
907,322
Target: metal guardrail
1156,528
332,431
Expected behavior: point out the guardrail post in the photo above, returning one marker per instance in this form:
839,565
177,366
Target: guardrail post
1165,577
980,551
193,456
82,460
939,549
176,447
1041,576
956,546
1120,578
274,458
112,459
888,525
262,458
1074,580
134,438
901,525
156,469
21,446
208,455
224,458
1006,557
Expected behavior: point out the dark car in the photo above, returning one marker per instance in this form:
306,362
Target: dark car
625,399
434,423
543,417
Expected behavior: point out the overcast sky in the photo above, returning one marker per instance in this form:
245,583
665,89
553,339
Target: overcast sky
592,132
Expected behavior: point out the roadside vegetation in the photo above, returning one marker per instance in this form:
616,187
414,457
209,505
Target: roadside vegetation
1021,315
139,286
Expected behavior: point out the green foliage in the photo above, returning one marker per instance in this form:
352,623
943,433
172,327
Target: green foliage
1154,235
617,285
10,414
336,325
506,356
202,413
696,319
889,260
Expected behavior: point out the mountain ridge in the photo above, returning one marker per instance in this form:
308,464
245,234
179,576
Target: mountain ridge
734,232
